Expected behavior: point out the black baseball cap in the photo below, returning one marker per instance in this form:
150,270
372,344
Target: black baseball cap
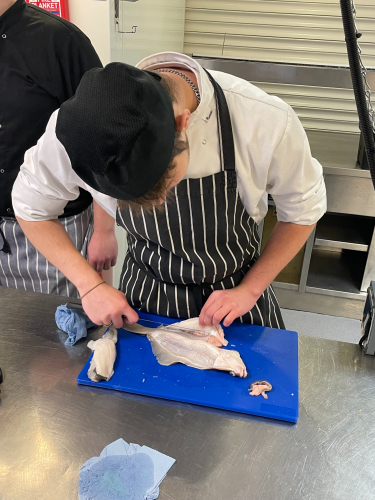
118,130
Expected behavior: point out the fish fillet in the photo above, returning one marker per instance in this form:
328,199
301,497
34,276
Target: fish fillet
170,348
101,366
189,328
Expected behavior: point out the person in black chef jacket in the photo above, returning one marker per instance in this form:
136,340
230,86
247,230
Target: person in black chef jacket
43,59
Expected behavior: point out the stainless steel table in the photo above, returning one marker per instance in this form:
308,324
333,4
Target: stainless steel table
49,427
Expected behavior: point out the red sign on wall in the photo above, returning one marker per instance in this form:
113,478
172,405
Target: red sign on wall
58,7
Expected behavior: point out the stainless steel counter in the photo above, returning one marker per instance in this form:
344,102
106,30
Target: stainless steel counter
49,427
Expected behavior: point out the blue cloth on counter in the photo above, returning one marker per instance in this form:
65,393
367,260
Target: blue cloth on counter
74,323
124,472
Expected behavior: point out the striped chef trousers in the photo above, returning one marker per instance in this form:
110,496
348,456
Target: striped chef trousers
26,269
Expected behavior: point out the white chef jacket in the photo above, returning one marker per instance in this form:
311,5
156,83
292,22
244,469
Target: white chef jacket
272,155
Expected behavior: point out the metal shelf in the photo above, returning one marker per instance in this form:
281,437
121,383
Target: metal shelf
345,232
331,275
344,245
338,271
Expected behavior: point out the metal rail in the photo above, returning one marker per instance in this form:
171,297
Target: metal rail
362,91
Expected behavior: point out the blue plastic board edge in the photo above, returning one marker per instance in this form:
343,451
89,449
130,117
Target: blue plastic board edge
268,354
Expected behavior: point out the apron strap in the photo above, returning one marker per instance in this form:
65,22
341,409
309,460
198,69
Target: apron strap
224,126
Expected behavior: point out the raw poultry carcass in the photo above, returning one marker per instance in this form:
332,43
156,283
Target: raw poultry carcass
188,328
212,334
170,348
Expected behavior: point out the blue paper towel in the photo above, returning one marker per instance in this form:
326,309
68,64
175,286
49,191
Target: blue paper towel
74,323
124,472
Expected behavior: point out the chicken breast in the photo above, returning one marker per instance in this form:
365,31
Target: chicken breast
101,366
170,348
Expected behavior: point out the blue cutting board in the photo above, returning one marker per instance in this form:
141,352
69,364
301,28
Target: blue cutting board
268,354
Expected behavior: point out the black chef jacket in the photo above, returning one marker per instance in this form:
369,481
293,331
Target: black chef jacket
42,60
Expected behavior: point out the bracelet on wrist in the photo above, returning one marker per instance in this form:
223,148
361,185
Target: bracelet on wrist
91,289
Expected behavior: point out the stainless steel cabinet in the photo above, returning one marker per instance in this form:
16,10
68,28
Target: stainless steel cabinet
338,260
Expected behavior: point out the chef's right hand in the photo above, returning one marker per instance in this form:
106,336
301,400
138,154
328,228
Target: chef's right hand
105,304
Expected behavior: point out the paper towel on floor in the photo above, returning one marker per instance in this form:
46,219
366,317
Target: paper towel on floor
124,472
74,323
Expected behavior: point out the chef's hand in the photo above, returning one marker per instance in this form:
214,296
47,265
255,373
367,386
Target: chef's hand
228,304
105,304
103,250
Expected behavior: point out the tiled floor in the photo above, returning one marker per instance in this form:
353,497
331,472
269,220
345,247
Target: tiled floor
320,325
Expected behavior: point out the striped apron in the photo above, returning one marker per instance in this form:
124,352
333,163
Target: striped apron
26,269
204,240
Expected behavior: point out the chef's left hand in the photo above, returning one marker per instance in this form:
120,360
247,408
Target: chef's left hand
228,304
103,250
